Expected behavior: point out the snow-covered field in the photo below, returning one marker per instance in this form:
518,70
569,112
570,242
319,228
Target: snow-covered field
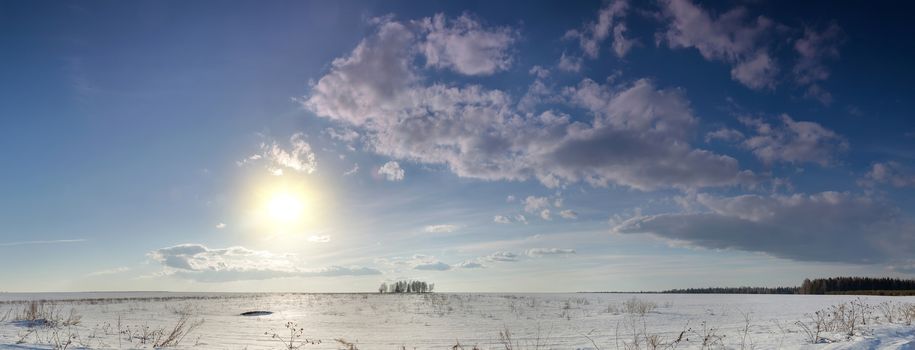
443,320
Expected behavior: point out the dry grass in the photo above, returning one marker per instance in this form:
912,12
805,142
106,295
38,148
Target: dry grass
294,340
639,307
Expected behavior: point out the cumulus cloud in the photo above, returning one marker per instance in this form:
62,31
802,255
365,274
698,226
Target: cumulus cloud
568,214
465,45
813,49
609,21
542,252
633,135
570,63
297,157
826,227
539,72
890,173
391,171
731,38
537,93
444,228
220,225
641,140
793,141
533,203
198,262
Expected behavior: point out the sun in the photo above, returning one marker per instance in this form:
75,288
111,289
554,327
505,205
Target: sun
284,208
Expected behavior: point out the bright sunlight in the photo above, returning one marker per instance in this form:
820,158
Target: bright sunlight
284,208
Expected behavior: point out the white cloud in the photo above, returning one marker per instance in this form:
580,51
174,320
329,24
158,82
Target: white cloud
465,46
730,38
643,132
891,173
197,262
724,134
533,204
592,34
220,225
757,72
391,171
433,266
500,219
424,262
444,228
793,141
537,94
298,157
501,256
541,252
345,135
827,226
539,72
812,49
471,265
570,63
545,214
568,214
353,170
356,90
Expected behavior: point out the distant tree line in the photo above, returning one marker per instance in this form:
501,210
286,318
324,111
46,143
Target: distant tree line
736,290
835,285
842,285
406,287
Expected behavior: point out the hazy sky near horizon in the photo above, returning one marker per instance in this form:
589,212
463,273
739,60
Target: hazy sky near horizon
483,146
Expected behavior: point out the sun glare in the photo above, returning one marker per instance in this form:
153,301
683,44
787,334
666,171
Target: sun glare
285,208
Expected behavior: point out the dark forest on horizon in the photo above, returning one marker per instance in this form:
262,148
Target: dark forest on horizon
834,285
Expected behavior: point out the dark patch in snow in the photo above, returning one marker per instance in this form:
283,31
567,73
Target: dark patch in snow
256,313
31,323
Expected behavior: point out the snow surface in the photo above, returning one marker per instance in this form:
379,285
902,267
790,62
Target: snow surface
441,320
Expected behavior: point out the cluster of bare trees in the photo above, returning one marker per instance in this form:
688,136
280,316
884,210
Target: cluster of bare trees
406,287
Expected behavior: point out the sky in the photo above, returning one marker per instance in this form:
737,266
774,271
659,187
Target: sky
508,146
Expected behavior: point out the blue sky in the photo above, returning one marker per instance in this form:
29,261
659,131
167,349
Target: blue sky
484,146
